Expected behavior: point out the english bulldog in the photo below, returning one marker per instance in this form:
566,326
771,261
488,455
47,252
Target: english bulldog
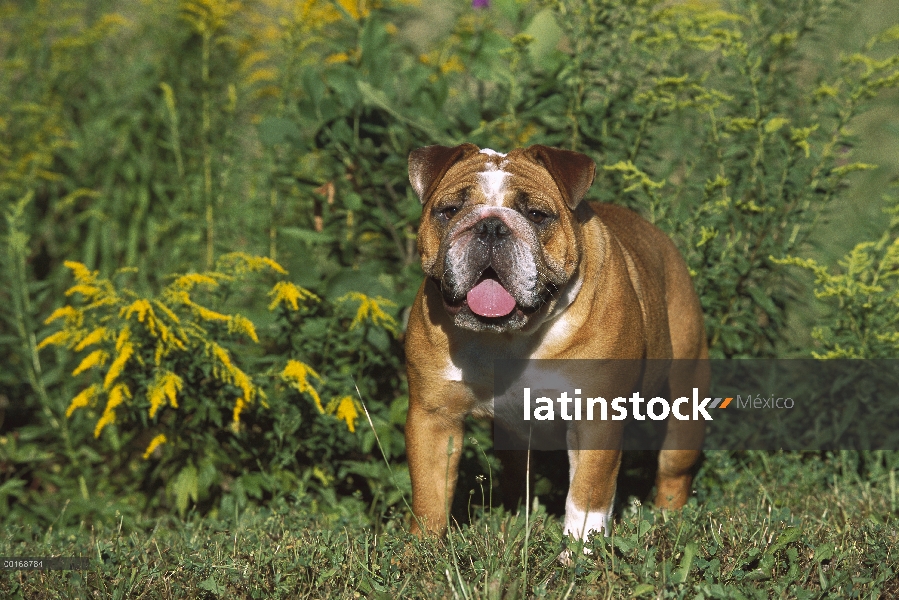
519,266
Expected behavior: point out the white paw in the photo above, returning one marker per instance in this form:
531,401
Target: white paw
579,523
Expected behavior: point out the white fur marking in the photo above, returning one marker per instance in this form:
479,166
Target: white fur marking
493,184
452,372
579,524
490,152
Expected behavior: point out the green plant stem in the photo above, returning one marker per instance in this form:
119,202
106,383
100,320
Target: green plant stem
207,152
17,242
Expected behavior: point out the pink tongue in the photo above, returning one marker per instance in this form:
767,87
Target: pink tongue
490,299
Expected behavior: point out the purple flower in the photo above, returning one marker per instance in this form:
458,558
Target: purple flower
480,3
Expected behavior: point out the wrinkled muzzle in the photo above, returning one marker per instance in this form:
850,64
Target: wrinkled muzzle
491,264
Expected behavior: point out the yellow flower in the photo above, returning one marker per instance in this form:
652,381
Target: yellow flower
124,336
356,8
208,16
297,374
155,443
286,292
453,65
370,310
240,263
141,307
241,324
201,311
239,405
187,282
265,74
82,399
81,273
57,339
88,291
97,357
66,312
346,410
166,385
118,395
118,365
93,337
230,373
167,311
339,57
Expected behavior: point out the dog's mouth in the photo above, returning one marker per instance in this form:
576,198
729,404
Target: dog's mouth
488,299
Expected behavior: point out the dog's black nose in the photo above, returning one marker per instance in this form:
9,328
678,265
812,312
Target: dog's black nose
491,228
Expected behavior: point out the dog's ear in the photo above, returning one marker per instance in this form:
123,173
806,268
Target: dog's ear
573,172
428,165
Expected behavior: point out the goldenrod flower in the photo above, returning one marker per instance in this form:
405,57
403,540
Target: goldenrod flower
346,410
339,57
453,65
97,357
122,338
370,310
167,311
240,263
93,337
56,339
187,282
241,380
118,365
201,311
208,16
239,405
166,385
88,291
154,444
286,292
297,375
264,74
241,324
230,373
82,399
66,312
139,306
118,395
356,8
80,272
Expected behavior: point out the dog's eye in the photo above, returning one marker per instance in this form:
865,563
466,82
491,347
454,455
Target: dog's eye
537,216
449,212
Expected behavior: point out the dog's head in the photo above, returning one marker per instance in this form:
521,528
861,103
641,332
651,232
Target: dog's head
499,232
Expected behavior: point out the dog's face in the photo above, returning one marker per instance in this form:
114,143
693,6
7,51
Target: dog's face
498,232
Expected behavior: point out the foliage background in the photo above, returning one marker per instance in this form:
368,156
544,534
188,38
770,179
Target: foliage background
151,141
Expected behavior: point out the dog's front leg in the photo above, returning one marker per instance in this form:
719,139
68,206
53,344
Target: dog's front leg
594,456
433,446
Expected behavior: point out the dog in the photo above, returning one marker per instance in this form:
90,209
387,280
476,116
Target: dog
519,266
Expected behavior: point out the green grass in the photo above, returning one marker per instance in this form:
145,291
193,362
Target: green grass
761,525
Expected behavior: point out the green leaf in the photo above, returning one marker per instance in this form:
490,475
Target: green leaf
186,487
686,563
277,130
211,585
307,236
352,201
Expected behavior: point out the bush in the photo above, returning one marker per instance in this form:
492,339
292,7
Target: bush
195,402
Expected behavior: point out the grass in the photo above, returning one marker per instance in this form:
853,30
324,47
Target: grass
761,525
